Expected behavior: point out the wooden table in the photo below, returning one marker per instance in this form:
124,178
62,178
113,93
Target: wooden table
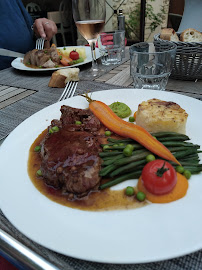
22,94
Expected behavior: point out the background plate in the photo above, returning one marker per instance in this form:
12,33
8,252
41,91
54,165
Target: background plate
152,233
18,64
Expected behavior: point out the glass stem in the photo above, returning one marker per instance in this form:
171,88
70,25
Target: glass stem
94,61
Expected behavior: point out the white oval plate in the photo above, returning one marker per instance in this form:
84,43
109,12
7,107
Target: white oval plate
18,62
152,233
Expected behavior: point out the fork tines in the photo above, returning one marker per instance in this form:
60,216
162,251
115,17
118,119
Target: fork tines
69,90
40,43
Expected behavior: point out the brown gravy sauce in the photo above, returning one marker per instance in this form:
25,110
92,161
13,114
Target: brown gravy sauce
96,201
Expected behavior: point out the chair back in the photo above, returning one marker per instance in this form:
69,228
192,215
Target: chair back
65,14
54,16
33,8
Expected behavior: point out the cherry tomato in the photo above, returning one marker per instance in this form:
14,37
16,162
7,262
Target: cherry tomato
74,55
65,61
159,177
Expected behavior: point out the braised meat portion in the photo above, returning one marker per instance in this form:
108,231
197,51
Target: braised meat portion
46,58
89,122
70,159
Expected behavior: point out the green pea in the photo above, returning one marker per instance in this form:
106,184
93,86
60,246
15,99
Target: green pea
150,157
115,145
140,196
40,66
60,57
37,148
131,119
78,122
50,131
56,66
39,173
28,63
45,51
121,144
187,174
108,133
130,146
179,169
129,191
55,128
106,147
64,48
127,151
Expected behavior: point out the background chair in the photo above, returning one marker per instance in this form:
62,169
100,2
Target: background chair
34,10
63,20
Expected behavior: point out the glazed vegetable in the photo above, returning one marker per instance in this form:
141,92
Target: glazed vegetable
159,177
74,55
115,163
65,61
177,193
125,129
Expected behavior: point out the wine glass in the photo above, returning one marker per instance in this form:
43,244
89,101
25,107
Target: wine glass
89,17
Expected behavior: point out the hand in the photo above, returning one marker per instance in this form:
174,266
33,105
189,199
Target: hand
45,28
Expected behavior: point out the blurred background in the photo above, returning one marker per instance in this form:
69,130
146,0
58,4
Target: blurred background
158,14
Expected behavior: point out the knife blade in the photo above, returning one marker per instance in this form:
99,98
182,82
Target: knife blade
21,255
5,52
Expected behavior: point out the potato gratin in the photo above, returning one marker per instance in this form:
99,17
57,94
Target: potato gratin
156,115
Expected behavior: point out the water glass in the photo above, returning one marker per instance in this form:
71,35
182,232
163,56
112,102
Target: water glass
151,64
111,46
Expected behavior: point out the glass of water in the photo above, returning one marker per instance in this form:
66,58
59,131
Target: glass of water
151,64
111,46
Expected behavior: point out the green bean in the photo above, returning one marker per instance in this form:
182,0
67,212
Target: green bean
106,170
120,141
131,175
186,144
179,148
130,159
125,168
182,154
120,147
193,170
112,160
109,154
179,138
168,134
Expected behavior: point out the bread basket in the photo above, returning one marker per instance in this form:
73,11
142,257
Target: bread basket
188,60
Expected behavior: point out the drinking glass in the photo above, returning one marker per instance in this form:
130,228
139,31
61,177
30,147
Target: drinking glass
151,64
89,17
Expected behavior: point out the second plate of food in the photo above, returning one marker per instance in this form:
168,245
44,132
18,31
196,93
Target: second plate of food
18,62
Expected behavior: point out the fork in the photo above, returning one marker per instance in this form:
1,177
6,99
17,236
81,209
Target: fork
69,90
39,44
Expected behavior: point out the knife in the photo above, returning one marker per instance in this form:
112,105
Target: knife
5,52
21,255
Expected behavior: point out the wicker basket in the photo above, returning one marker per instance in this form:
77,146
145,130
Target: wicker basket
188,60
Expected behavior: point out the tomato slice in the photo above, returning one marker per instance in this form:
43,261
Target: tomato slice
159,177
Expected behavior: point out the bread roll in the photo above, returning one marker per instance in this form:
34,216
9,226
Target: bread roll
191,35
169,34
157,115
60,77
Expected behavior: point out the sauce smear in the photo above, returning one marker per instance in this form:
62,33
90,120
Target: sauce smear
96,201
